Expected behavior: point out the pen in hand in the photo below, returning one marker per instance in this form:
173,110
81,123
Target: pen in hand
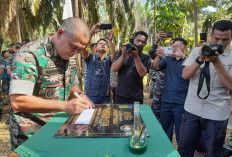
78,96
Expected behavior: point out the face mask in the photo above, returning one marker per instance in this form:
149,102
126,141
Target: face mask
140,48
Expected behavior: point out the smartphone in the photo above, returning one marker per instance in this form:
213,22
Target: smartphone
106,26
169,34
167,50
203,36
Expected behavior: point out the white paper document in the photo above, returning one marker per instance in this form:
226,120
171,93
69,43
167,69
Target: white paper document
85,117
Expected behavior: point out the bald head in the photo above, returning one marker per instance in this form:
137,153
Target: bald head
71,38
75,25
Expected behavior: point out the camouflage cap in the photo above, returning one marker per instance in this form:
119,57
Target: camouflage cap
18,45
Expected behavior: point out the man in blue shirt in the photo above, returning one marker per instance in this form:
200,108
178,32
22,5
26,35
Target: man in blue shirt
97,80
175,87
158,86
5,77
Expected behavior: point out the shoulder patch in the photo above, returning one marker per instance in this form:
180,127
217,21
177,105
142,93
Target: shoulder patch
31,60
50,71
73,68
72,60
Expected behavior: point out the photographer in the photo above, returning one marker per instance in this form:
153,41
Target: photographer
131,66
210,114
97,80
175,87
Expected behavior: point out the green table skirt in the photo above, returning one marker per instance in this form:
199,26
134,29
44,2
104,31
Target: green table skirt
43,143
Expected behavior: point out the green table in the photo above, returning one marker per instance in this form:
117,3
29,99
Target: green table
43,144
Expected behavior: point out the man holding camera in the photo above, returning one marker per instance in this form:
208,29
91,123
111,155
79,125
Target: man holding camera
175,87
131,64
210,113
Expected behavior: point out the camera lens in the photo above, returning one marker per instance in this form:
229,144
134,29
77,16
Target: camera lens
129,47
206,50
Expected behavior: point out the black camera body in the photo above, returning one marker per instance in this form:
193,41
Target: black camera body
210,50
130,46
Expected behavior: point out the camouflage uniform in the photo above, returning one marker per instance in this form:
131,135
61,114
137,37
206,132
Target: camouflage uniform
1,62
152,83
38,70
157,95
158,86
9,62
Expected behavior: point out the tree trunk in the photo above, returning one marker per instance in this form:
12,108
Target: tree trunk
80,9
75,6
154,21
76,13
19,39
195,21
183,27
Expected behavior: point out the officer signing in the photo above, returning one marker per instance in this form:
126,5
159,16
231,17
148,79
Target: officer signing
44,79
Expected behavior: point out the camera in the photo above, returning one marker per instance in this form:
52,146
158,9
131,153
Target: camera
130,46
210,50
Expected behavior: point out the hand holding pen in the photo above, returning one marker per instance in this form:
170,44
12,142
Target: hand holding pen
89,104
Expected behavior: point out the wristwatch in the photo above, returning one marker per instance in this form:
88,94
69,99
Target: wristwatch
81,93
147,84
198,61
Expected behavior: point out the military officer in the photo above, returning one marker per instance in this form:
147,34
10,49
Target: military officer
44,79
10,60
151,79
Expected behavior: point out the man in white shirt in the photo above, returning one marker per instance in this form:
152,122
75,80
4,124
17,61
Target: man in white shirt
210,114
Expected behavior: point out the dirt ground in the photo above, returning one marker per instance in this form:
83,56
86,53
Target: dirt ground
5,136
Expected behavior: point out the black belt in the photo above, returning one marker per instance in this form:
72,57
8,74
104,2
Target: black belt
32,117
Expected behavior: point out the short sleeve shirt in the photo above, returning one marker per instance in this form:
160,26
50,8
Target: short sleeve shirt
217,105
5,75
38,70
97,79
130,84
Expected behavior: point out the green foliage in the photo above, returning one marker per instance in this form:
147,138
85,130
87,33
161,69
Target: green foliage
127,16
146,49
170,18
121,15
91,14
5,46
